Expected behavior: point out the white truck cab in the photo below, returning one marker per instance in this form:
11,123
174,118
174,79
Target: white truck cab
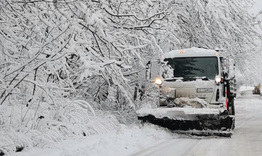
193,73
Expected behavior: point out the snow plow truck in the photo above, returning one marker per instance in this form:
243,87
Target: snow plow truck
196,92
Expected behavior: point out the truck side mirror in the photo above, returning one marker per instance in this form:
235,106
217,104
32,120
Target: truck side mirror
225,75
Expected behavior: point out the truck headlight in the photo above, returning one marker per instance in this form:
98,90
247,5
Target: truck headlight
218,79
158,81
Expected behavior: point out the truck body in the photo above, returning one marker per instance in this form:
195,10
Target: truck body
195,85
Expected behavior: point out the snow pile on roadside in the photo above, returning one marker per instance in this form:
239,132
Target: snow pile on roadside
245,88
126,140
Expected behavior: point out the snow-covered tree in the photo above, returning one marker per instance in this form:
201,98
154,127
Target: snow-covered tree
56,55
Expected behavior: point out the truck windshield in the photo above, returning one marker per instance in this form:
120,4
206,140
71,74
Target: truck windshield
191,67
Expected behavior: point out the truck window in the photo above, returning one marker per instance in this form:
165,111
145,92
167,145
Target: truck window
188,67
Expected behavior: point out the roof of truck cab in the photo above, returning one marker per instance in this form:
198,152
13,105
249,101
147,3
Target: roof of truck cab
190,52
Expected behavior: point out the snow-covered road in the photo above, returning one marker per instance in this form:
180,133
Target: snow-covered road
246,140
150,140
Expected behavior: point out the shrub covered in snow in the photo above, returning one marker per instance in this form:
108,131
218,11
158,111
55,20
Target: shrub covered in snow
44,125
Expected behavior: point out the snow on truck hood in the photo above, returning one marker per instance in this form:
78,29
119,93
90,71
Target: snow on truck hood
190,52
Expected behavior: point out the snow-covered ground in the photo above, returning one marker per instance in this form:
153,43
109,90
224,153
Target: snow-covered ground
129,140
124,141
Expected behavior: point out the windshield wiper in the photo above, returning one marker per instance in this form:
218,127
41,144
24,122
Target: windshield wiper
186,78
195,78
202,77
174,79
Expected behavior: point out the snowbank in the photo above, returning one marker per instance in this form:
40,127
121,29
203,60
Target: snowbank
245,88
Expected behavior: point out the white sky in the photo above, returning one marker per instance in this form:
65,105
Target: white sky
257,7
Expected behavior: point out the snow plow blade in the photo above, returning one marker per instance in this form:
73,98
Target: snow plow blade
182,120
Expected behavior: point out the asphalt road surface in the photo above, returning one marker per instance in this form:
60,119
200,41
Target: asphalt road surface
246,139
